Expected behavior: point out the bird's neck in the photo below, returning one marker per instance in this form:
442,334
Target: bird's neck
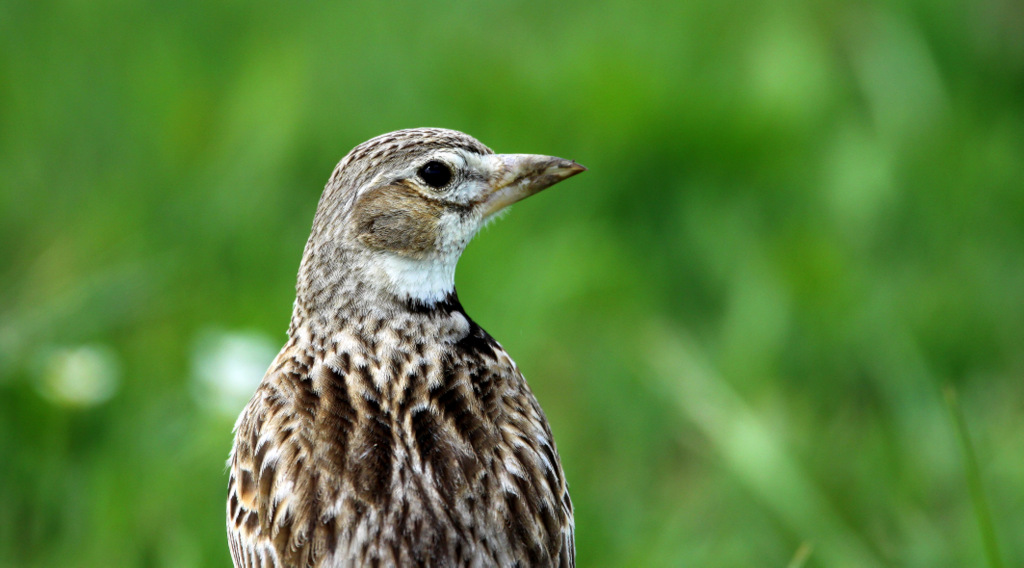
345,287
423,281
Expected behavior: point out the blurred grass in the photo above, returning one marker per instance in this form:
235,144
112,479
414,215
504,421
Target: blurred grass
800,220
982,511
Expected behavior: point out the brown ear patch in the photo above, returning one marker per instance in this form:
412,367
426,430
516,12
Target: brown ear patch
398,219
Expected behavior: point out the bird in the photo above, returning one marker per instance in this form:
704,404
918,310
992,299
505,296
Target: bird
391,429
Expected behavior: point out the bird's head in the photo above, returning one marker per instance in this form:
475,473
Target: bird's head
400,209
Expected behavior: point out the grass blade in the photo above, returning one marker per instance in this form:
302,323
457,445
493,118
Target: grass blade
981,508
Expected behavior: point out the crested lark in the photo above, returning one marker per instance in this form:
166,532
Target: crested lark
391,429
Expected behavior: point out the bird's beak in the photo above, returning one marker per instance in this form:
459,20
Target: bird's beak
518,176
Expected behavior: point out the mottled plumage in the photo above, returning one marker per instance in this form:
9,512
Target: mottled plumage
392,430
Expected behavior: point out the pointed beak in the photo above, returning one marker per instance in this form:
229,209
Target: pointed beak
518,176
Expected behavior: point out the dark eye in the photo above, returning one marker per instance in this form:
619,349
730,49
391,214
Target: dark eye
435,174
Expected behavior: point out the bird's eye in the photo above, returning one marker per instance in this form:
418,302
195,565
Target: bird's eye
435,174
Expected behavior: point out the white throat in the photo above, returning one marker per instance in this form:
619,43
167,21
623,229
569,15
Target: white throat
427,281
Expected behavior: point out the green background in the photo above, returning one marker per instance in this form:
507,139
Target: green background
802,221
